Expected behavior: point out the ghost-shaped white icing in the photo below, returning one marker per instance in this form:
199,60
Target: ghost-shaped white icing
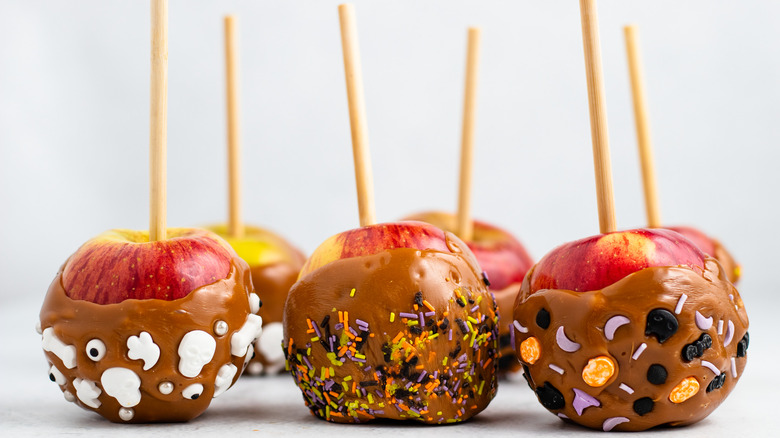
143,347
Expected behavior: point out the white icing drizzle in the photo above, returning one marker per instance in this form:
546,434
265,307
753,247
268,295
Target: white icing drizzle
729,334
711,367
610,423
639,351
556,368
703,323
613,324
520,327
626,388
565,343
720,327
734,367
680,304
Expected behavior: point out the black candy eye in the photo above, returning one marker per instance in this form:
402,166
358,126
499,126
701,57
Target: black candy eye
543,318
662,324
96,349
644,405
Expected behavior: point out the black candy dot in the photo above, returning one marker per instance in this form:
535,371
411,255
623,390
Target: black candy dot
644,405
527,376
657,374
550,397
662,324
485,278
94,352
717,382
706,340
543,318
195,396
51,377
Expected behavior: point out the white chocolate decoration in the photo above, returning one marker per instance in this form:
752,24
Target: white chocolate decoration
165,388
66,353
126,414
242,339
720,327
729,334
87,391
565,343
703,323
734,367
270,342
556,368
193,391
96,349
69,396
680,304
626,388
195,350
122,384
38,328
56,376
255,368
142,347
224,378
254,303
613,324
520,327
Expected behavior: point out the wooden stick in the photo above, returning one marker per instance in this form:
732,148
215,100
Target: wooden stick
598,115
642,127
357,115
235,222
158,121
465,224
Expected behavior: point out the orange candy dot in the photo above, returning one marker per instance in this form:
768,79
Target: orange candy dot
684,390
530,350
598,371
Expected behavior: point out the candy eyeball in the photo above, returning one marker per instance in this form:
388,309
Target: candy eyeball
96,349
193,391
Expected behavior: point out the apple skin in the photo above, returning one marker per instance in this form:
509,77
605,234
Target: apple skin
122,264
499,254
711,246
596,262
376,238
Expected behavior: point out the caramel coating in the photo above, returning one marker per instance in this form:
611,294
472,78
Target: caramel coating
77,322
664,368
357,349
505,300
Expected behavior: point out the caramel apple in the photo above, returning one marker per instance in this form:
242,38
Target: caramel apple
505,263
274,265
630,330
392,321
142,331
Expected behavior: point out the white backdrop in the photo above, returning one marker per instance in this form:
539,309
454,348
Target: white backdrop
74,84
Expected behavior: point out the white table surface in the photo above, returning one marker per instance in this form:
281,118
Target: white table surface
31,405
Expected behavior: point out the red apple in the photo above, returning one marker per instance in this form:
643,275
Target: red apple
500,255
374,239
141,331
598,261
712,247
123,264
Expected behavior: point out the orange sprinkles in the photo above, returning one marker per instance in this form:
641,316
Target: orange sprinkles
530,350
598,371
684,390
